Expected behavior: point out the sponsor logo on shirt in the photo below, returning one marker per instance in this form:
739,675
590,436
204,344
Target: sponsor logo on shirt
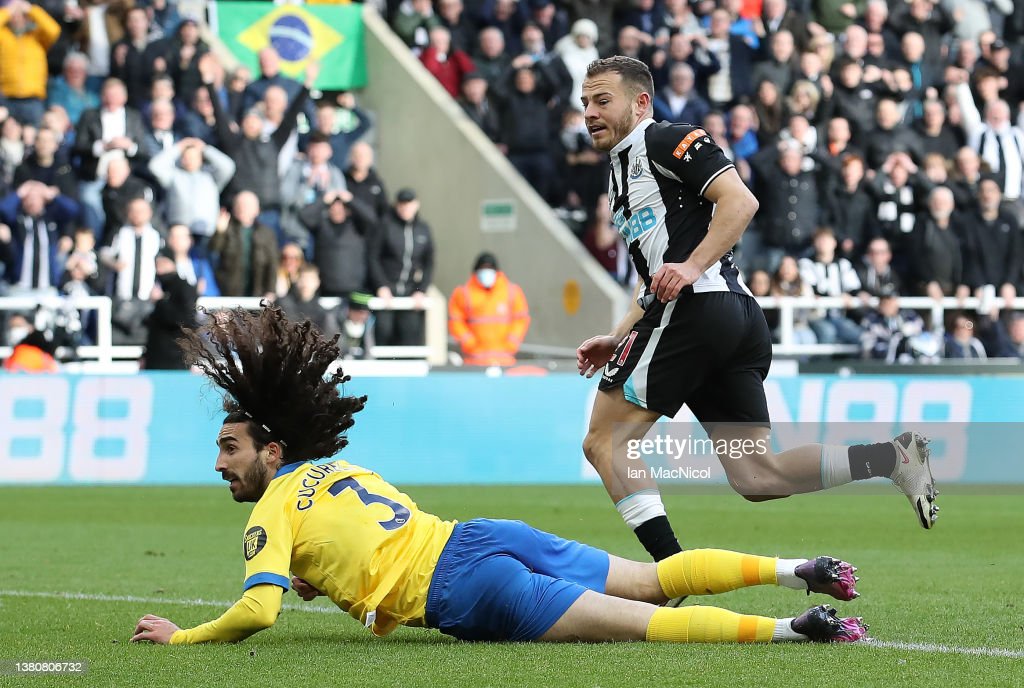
637,225
254,541
687,141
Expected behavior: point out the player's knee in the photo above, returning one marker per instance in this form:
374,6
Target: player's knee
596,447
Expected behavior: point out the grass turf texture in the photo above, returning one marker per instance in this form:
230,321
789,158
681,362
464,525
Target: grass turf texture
957,585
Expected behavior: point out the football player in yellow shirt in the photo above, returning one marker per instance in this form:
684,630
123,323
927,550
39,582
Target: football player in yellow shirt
340,530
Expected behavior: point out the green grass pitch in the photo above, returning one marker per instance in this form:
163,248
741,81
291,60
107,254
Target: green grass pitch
958,585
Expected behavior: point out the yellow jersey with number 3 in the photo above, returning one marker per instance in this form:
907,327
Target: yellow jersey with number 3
349,534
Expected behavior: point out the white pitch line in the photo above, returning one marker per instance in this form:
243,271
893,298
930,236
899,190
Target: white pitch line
313,608
931,648
946,649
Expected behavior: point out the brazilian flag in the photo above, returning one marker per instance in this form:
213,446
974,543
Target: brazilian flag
329,34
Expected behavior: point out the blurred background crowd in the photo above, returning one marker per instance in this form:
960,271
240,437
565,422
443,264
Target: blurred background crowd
882,139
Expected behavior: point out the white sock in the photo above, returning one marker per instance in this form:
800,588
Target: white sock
640,507
785,573
784,632
835,466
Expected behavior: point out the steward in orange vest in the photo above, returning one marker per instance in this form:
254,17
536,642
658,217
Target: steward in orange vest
30,354
488,315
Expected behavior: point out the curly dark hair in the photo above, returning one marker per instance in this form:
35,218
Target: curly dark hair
274,375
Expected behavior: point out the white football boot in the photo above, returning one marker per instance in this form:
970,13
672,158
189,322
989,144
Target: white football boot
913,476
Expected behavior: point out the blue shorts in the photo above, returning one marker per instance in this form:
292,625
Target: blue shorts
503,580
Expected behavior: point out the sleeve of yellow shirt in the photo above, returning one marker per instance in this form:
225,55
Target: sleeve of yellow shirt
258,609
47,29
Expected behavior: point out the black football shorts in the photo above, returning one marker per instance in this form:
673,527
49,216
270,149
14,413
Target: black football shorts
710,351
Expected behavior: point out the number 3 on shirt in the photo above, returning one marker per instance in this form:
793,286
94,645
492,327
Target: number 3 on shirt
401,513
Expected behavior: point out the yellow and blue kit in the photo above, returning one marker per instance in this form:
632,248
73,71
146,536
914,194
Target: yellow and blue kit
367,546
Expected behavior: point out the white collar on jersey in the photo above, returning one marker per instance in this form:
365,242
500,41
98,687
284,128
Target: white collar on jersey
633,136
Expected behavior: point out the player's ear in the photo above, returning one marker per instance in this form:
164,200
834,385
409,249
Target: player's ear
642,103
275,452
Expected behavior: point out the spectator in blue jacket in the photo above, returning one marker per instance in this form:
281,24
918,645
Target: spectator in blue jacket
69,90
889,329
961,342
679,102
35,235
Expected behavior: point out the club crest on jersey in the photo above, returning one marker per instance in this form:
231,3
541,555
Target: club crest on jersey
637,168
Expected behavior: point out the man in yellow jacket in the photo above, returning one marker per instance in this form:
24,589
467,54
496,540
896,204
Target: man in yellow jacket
488,315
26,34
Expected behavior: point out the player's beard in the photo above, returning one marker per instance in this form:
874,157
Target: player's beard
250,486
622,128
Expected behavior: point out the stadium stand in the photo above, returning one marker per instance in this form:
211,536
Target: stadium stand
884,141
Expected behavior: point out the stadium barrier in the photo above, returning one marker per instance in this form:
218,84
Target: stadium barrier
788,305
104,352
466,428
435,349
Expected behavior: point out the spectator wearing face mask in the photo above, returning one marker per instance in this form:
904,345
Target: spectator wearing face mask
32,352
357,337
488,315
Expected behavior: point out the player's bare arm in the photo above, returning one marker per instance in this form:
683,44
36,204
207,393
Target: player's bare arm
735,206
594,354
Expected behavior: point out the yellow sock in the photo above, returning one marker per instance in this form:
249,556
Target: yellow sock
708,625
711,571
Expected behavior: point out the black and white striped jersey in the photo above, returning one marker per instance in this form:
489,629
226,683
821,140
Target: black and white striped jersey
660,172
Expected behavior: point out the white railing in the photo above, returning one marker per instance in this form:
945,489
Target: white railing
103,351
787,305
434,350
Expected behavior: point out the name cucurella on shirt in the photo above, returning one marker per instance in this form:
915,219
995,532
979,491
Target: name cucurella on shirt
314,476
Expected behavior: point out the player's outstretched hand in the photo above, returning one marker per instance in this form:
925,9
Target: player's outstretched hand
154,629
594,354
671,278
303,589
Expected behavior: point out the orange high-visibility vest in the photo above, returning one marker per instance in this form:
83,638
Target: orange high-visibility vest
489,323
30,359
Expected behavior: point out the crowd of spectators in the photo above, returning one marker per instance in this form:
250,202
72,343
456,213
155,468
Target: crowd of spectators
883,140
134,165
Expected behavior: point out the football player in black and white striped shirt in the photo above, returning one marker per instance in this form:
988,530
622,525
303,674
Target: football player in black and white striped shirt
695,335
